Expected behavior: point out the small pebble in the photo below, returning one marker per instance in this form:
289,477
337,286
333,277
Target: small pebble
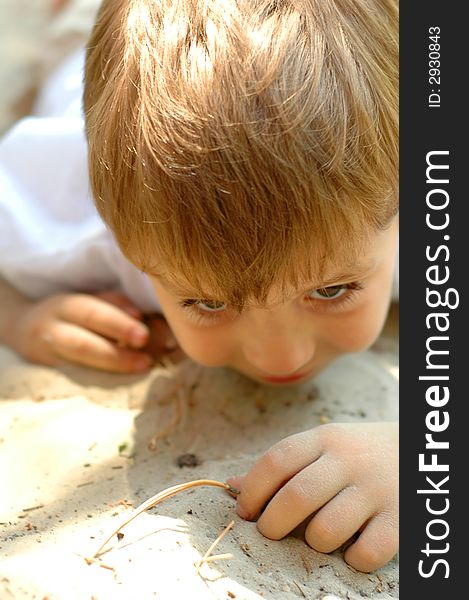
187,460
330,597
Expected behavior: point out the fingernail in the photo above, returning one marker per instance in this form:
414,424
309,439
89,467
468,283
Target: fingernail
170,344
142,363
138,337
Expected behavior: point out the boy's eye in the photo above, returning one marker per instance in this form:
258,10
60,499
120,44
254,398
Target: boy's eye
210,305
328,293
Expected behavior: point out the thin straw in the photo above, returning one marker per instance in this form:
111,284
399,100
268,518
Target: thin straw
157,498
210,550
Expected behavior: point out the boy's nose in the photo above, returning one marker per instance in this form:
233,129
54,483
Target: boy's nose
280,355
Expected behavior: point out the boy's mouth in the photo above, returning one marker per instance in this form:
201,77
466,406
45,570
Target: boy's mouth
288,379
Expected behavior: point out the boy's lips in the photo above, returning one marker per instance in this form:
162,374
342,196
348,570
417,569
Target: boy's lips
288,379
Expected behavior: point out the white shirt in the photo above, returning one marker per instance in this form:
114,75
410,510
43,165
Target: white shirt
52,239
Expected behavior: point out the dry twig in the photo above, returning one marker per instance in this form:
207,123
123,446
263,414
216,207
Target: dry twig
206,557
157,498
306,564
90,561
298,586
218,557
178,410
33,508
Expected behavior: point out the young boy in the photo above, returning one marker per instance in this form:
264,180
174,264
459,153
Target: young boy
244,156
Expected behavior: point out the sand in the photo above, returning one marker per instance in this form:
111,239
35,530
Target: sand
74,459
74,455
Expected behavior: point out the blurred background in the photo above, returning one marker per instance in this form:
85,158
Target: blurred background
35,36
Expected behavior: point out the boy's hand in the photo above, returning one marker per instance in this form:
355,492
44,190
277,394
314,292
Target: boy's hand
103,331
344,475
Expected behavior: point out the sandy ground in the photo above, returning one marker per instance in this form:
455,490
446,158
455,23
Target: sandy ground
74,455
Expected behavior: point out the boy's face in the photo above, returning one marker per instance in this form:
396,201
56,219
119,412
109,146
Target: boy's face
289,340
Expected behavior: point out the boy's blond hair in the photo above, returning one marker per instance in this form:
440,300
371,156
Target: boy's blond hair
237,144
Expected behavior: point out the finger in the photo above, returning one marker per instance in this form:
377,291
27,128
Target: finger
85,347
337,521
162,339
377,544
274,469
304,494
122,302
42,353
103,318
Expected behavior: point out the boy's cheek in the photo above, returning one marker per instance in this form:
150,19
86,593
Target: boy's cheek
203,350
360,333
364,325
359,340
199,345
